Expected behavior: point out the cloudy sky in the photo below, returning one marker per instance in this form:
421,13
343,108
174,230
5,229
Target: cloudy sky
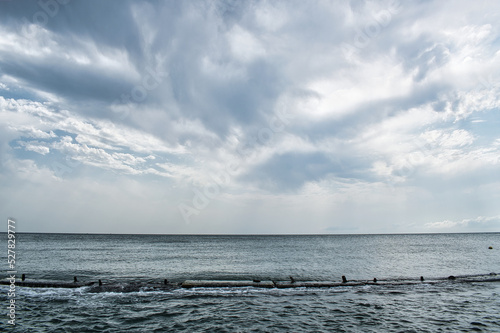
250,116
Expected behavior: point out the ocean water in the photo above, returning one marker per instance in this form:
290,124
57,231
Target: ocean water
131,264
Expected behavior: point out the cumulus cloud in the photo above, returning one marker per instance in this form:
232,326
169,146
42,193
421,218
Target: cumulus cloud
36,147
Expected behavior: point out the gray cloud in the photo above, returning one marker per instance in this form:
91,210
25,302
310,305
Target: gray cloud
290,171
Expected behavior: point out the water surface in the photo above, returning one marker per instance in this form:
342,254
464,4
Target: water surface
447,306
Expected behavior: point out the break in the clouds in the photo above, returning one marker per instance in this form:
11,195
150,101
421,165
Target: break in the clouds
250,116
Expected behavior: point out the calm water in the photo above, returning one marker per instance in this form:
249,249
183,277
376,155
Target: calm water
141,259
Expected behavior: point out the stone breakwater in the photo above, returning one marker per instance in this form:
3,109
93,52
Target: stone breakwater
99,286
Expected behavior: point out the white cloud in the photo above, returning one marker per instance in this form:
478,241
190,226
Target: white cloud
40,149
465,223
31,132
455,139
98,143
271,15
40,44
22,117
183,173
27,171
99,157
244,46
364,82
94,141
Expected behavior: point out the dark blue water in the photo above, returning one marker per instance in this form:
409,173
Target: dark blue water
447,306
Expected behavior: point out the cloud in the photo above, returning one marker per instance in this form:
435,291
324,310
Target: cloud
244,46
390,104
93,142
35,146
290,171
480,222
32,132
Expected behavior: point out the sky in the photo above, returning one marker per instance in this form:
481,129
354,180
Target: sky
250,117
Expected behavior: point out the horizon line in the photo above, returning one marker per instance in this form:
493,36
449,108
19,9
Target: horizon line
253,234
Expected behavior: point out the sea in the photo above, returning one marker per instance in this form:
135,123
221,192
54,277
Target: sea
130,266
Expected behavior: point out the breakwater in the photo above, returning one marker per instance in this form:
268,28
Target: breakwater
114,286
